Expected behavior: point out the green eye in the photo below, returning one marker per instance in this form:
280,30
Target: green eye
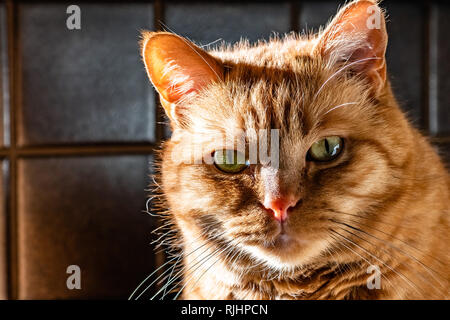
230,161
326,149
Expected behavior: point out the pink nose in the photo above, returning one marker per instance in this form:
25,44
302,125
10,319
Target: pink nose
280,206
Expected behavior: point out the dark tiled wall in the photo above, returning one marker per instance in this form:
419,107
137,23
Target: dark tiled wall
81,120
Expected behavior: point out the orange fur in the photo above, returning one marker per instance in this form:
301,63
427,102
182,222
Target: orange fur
384,201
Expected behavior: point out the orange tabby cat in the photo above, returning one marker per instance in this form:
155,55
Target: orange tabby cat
357,206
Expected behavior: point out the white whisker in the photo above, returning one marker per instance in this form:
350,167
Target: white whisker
339,106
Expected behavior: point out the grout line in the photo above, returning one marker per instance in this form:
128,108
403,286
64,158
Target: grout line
83,150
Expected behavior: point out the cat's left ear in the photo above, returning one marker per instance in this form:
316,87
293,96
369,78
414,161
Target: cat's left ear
357,37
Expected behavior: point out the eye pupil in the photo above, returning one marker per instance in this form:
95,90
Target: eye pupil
327,145
326,149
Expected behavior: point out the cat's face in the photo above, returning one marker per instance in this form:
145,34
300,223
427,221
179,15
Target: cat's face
336,151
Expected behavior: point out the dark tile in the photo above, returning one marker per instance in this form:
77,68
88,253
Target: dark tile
85,211
404,56
3,233
205,22
88,85
4,88
440,69
314,14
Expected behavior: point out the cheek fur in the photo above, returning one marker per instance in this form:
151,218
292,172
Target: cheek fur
200,187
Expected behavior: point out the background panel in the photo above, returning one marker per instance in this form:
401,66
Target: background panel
84,211
314,14
205,23
87,85
3,232
441,70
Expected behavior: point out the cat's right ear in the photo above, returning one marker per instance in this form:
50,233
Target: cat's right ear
178,69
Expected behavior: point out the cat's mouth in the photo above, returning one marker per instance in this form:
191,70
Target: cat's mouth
285,239
282,241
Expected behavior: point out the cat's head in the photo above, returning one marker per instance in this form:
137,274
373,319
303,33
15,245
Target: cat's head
321,106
